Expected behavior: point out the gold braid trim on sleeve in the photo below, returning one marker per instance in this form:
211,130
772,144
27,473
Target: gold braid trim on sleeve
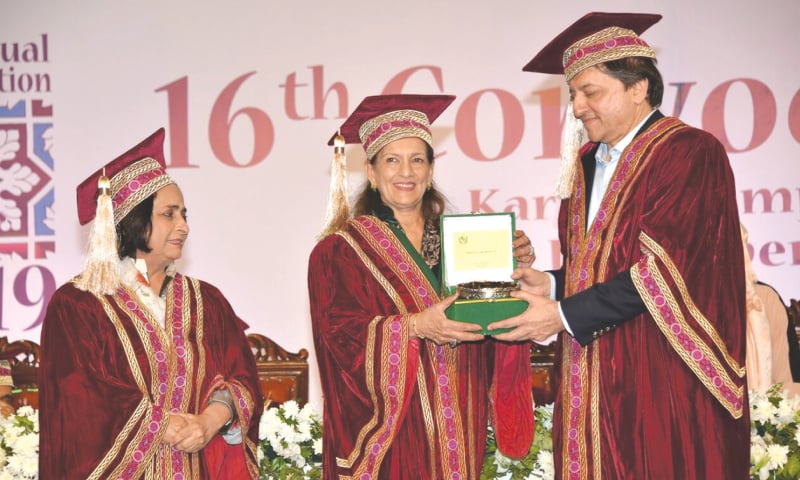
355,454
662,304
651,245
594,411
141,416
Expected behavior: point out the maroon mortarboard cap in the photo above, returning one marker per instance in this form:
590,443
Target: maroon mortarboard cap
596,38
377,121
134,176
381,119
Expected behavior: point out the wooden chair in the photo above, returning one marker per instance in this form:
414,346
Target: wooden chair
283,375
793,312
23,356
542,379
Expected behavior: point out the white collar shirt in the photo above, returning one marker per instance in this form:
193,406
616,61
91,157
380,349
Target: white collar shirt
606,161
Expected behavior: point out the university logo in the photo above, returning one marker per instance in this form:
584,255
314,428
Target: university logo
26,138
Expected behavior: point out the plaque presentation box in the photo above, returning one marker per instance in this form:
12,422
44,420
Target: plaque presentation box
477,248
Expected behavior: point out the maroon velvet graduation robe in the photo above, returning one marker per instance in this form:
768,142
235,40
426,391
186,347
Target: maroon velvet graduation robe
395,407
662,395
110,374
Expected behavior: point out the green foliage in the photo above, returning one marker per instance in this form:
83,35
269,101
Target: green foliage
537,464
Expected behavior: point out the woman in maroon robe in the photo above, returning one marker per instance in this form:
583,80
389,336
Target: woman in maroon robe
145,372
398,401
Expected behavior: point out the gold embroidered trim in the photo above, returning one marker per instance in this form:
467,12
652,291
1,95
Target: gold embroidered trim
240,393
386,231
121,179
143,409
140,416
583,368
701,319
122,334
166,342
373,140
471,440
145,412
199,331
674,342
670,126
604,46
376,273
597,459
356,453
113,452
438,416
449,354
452,373
595,261
566,391
583,448
427,410
384,323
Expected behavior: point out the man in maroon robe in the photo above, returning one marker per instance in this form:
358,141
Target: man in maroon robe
651,291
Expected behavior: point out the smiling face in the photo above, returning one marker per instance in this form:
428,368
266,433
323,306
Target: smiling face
608,110
401,172
169,229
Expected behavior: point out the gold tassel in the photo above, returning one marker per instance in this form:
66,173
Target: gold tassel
338,209
571,141
101,274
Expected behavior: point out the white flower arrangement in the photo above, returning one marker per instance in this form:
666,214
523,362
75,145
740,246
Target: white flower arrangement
290,442
774,435
774,442
19,445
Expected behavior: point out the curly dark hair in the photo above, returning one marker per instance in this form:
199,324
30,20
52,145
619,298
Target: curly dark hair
632,69
133,231
433,202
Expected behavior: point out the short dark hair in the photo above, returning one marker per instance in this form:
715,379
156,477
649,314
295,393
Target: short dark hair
133,231
433,202
630,70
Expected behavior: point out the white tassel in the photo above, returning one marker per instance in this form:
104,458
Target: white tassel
571,141
101,274
338,210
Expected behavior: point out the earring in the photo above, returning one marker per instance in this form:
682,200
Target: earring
372,186
430,184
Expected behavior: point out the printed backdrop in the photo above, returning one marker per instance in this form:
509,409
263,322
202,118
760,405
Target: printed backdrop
250,92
